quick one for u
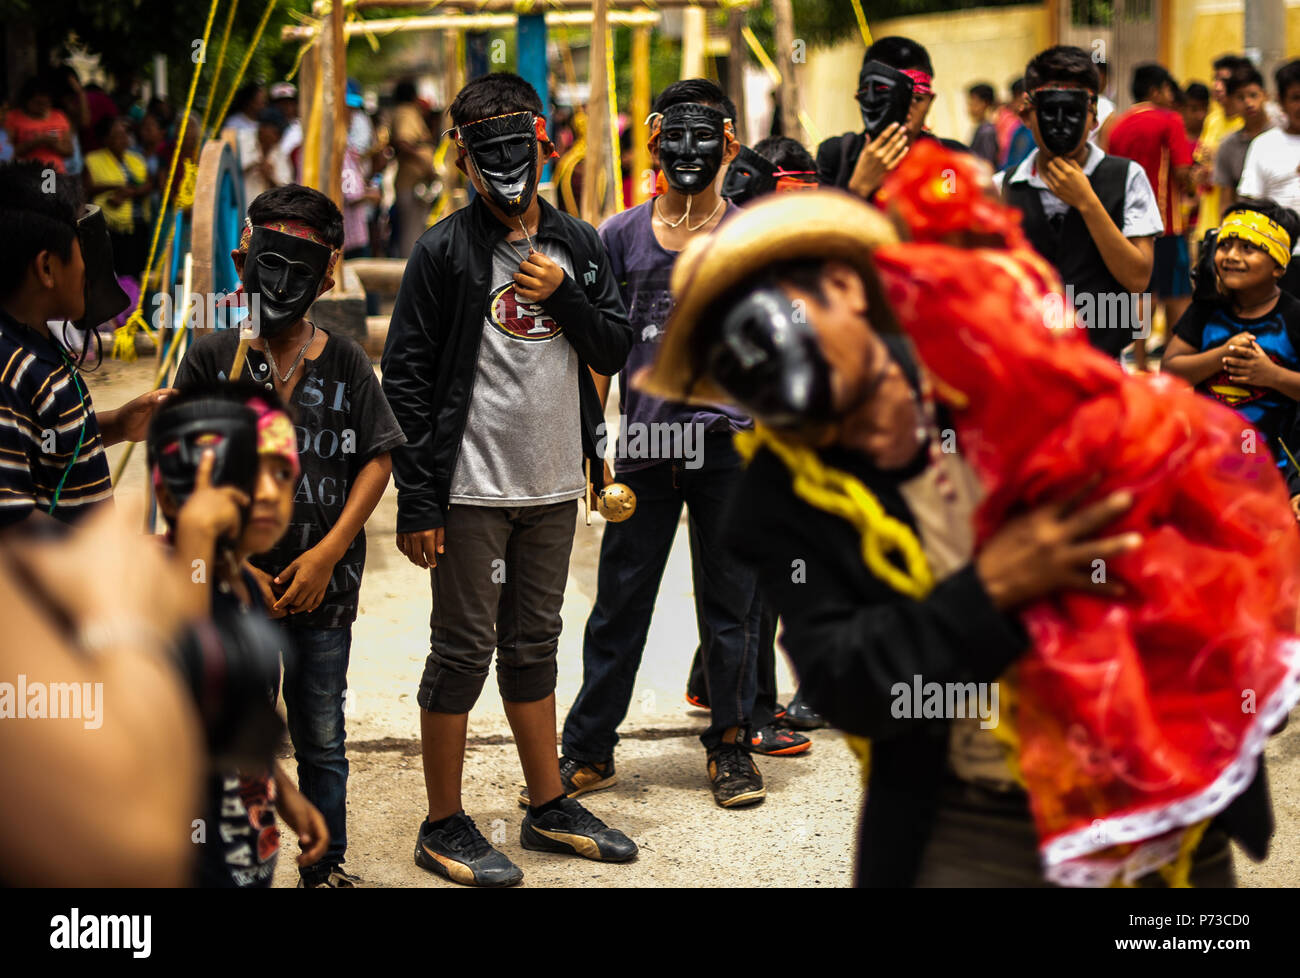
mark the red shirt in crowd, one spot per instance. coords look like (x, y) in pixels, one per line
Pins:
(1156, 139)
(23, 127)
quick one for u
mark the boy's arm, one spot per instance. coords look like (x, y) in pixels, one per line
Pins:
(1129, 260)
(409, 364)
(307, 577)
(602, 382)
(593, 316)
(1184, 360)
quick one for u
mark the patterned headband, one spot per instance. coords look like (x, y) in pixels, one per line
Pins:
(1261, 231)
(275, 434)
(298, 229)
(539, 127)
(921, 81)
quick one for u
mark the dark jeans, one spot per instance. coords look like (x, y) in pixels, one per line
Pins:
(632, 559)
(765, 700)
(315, 681)
(500, 585)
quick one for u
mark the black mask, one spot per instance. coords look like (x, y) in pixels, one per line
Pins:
(104, 296)
(286, 273)
(767, 358)
(884, 96)
(1062, 118)
(692, 141)
(748, 177)
(504, 151)
(179, 435)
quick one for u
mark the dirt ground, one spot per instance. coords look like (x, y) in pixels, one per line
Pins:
(802, 835)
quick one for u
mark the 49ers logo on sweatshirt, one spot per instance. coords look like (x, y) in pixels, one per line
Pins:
(519, 319)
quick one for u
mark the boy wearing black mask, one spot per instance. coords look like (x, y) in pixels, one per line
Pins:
(692, 139)
(503, 307)
(1091, 215)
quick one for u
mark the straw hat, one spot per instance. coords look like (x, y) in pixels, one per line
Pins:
(812, 224)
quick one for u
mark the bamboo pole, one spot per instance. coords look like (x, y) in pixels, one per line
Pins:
(311, 123)
(694, 35)
(327, 88)
(736, 61)
(511, 6)
(473, 22)
(339, 144)
(642, 172)
(783, 15)
(593, 168)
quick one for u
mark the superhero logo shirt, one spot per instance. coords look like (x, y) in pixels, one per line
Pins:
(523, 436)
(1209, 325)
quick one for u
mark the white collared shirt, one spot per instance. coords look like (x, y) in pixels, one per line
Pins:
(1141, 212)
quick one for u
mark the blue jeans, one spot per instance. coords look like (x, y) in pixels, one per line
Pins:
(315, 681)
(632, 559)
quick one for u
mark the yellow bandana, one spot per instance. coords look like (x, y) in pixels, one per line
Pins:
(1260, 231)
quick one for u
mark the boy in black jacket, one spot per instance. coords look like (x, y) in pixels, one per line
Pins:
(504, 307)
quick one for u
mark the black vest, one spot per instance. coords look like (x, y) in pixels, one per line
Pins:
(1099, 299)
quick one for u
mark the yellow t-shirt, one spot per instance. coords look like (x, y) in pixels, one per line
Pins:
(107, 170)
(1217, 126)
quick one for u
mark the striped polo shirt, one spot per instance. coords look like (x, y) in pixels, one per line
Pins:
(50, 443)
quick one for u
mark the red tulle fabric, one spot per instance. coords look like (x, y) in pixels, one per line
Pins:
(1141, 715)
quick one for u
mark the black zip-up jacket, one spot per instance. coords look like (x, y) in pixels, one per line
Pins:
(431, 354)
(851, 637)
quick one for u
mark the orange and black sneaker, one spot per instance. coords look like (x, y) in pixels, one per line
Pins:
(579, 777)
(735, 778)
(457, 850)
(697, 700)
(776, 741)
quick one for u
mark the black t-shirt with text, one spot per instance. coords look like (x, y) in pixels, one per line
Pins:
(342, 421)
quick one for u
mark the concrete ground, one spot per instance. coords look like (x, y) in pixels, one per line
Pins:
(802, 835)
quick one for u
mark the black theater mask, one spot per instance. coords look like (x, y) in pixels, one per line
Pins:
(884, 96)
(503, 150)
(286, 273)
(104, 296)
(180, 434)
(767, 357)
(748, 177)
(692, 142)
(1062, 115)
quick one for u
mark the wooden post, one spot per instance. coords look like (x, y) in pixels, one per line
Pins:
(642, 171)
(327, 116)
(312, 85)
(594, 178)
(694, 35)
(788, 93)
(737, 58)
(339, 142)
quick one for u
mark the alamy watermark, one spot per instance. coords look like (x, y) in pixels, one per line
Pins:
(678, 441)
(35, 700)
(919, 700)
(1128, 311)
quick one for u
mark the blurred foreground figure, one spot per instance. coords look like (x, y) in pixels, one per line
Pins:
(1059, 599)
(101, 756)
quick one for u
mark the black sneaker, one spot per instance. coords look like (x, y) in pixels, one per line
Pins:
(579, 777)
(775, 741)
(735, 777)
(459, 852)
(800, 716)
(330, 878)
(575, 831)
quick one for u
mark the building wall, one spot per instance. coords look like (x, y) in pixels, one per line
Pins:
(967, 46)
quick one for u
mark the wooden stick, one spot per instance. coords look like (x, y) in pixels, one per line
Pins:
(472, 22)
(594, 180)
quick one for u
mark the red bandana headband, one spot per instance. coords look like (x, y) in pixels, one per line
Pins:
(921, 82)
(296, 228)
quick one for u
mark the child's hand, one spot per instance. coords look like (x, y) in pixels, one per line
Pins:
(1295, 507)
(878, 157)
(211, 511)
(538, 277)
(264, 584)
(1066, 179)
(1246, 363)
(423, 546)
(305, 819)
(305, 581)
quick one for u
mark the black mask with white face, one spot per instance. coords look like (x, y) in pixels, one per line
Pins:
(286, 273)
(748, 177)
(105, 298)
(503, 150)
(692, 142)
(884, 96)
(767, 357)
(1062, 118)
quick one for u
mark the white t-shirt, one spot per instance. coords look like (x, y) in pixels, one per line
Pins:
(1104, 108)
(1270, 169)
(1141, 211)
